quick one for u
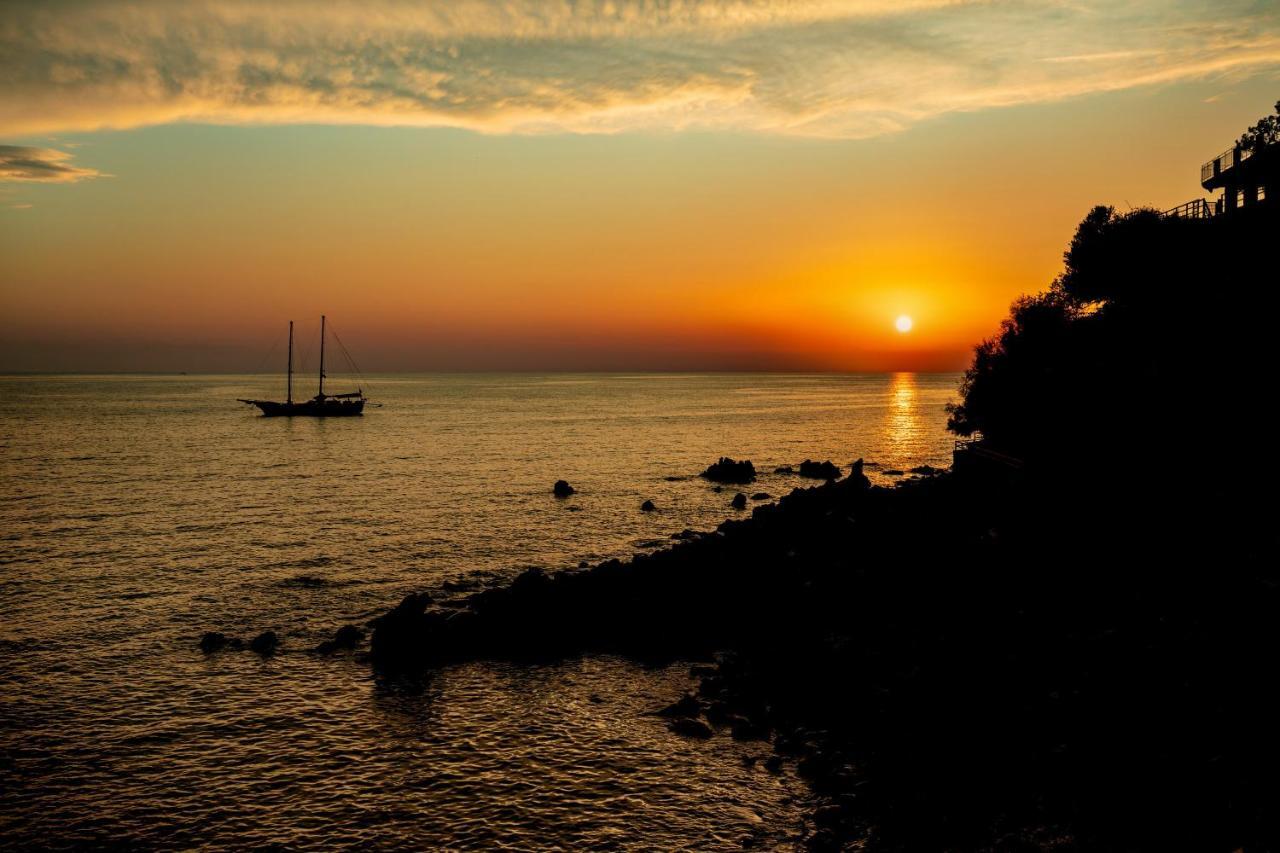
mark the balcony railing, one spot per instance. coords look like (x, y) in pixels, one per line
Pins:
(1223, 162)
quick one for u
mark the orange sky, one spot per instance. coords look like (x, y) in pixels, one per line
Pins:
(771, 194)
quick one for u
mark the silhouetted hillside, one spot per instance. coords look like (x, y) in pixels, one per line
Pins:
(1156, 343)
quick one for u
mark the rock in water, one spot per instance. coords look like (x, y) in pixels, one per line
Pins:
(728, 470)
(265, 643)
(761, 496)
(739, 501)
(216, 641)
(562, 489)
(346, 637)
(819, 470)
(647, 506)
(689, 727)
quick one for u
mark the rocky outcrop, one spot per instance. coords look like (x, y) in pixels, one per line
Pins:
(732, 471)
(562, 489)
(819, 470)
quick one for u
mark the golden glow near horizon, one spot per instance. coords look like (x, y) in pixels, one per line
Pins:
(903, 324)
(475, 192)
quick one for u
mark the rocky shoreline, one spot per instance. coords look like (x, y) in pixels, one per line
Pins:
(948, 662)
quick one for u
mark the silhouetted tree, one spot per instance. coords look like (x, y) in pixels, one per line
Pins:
(1265, 132)
(1155, 324)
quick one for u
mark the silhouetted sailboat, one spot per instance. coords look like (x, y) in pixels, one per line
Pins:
(322, 405)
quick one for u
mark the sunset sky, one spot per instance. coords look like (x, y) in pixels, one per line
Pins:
(613, 185)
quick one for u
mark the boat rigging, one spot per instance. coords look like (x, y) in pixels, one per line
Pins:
(322, 405)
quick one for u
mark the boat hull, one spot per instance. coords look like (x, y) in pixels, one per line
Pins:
(310, 408)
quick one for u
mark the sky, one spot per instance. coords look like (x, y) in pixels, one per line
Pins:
(682, 185)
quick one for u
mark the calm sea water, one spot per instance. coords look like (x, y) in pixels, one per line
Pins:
(139, 512)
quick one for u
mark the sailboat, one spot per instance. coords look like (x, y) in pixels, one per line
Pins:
(322, 405)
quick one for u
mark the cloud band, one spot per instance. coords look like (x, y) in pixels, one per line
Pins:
(841, 68)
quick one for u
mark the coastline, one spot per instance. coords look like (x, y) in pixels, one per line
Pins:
(937, 675)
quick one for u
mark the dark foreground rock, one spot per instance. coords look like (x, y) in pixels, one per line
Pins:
(739, 501)
(732, 471)
(562, 489)
(647, 506)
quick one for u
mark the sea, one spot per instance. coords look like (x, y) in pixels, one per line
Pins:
(139, 512)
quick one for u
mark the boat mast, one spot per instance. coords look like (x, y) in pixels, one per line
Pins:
(321, 394)
(288, 394)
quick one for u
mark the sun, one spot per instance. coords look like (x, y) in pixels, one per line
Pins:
(903, 323)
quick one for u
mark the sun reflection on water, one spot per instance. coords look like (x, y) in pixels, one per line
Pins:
(902, 425)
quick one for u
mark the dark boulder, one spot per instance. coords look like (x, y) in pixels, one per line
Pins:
(401, 636)
(728, 470)
(773, 764)
(688, 706)
(892, 472)
(265, 643)
(761, 496)
(826, 470)
(647, 506)
(562, 489)
(719, 713)
(739, 501)
(346, 637)
(689, 727)
(784, 469)
(926, 470)
(742, 728)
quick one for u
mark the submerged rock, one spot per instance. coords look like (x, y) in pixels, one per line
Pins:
(216, 641)
(562, 489)
(727, 470)
(926, 470)
(647, 506)
(739, 501)
(892, 472)
(819, 470)
(784, 469)
(761, 496)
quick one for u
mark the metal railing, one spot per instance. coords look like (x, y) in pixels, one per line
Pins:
(1195, 209)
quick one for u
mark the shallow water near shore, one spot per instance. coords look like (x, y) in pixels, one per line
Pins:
(139, 512)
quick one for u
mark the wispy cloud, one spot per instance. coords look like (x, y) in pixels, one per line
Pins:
(844, 68)
(40, 165)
